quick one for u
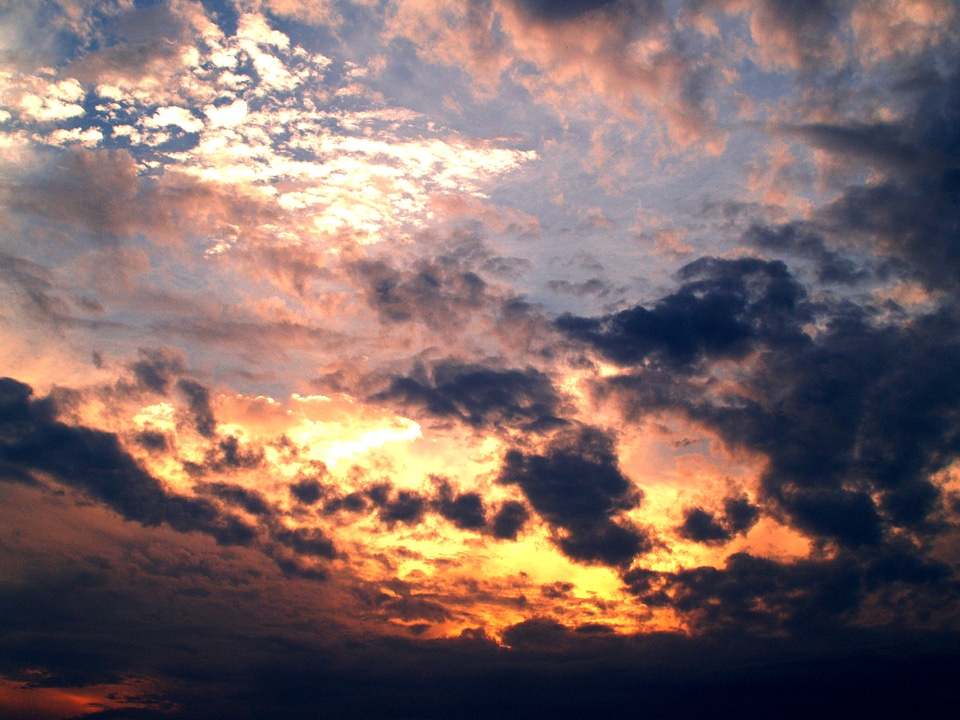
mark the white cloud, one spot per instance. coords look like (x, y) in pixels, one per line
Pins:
(177, 116)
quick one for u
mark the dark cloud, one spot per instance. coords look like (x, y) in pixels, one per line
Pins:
(509, 520)
(306, 541)
(435, 292)
(578, 488)
(33, 440)
(352, 502)
(205, 628)
(404, 506)
(250, 500)
(154, 441)
(95, 462)
(198, 397)
(740, 514)
(413, 607)
(854, 419)
(722, 310)
(702, 526)
(227, 455)
(157, 367)
(556, 590)
(760, 595)
(911, 209)
(831, 266)
(232, 455)
(307, 491)
(465, 510)
(479, 396)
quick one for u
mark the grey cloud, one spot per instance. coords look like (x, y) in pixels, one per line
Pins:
(578, 488)
(157, 367)
(722, 310)
(32, 440)
(35, 286)
(478, 395)
(860, 411)
(433, 292)
(509, 520)
(198, 397)
(94, 190)
(593, 286)
(832, 266)
(568, 10)
(94, 461)
(912, 210)
(404, 506)
(465, 510)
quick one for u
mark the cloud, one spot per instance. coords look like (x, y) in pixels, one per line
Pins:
(157, 367)
(95, 462)
(464, 510)
(702, 527)
(909, 208)
(404, 506)
(629, 54)
(249, 500)
(35, 443)
(92, 190)
(854, 420)
(509, 520)
(432, 292)
(832, 266)
(478, 395)
(578, 488)
(306, 541)
(721, 311)
(564, 10)
(307, 491)
(36, 286)
(198, 397)
(762, 596)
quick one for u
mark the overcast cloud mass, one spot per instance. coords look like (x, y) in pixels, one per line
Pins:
(479, 358)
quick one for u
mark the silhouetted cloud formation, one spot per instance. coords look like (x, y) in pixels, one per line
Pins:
(501, 358)
(578, 488)
(464, 510)
(723, 308)
(854, 419)
(479, 395)
(94, 462)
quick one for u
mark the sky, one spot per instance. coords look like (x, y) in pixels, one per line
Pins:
(398, 359)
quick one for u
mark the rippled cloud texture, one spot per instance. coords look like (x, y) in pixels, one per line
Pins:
(480, 358)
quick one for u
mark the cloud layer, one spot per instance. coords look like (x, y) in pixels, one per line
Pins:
(434, 359)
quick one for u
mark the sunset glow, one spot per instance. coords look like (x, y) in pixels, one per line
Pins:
(479, 359)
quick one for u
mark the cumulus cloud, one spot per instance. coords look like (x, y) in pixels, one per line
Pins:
(848, 418)
(578, 488)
